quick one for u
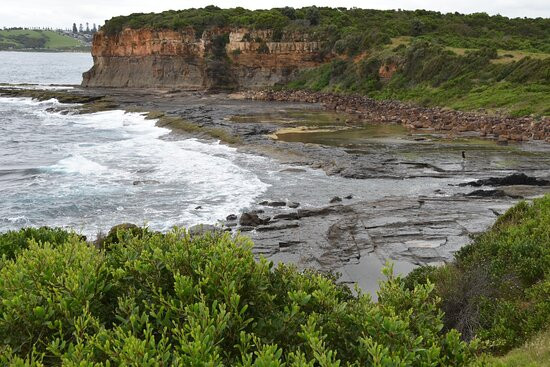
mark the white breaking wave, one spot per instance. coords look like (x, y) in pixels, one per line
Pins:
(112, 167)
(78, 164)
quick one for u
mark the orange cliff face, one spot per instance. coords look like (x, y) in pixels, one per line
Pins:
(146, 58)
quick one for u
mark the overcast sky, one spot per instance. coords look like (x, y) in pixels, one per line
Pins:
(62, 13)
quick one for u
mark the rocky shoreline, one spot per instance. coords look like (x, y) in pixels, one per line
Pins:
(503, 128)
(406, 201)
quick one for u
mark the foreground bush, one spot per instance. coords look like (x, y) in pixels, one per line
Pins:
(498, 288)
(158, 300)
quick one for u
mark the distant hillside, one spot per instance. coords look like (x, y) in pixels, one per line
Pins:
(25, 39)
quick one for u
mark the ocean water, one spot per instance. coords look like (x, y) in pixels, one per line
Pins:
(90, 172)
(43, 68)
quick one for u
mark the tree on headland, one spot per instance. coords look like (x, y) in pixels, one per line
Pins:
(94, 29)
(289, 12)
(313, 15)
(81, 28)
(87, 27)
(75, 30)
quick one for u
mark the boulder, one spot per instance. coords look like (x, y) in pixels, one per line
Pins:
(252, 220)
(513, 179)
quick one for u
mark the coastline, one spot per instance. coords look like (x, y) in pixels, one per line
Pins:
(503, 128)
(403, 207)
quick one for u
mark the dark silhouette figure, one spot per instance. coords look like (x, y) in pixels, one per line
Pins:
(463, 155)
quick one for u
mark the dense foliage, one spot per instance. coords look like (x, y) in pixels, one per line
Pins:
(152, 299)
(358, 29)
(148, 299)
(499, 286)
(433, 75)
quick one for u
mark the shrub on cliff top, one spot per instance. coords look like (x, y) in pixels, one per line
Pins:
(376, 26)
(498, 288)
(168, 299)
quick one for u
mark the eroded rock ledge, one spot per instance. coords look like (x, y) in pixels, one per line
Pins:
(414, 117)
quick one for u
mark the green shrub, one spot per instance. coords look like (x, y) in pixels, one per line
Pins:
(13, 242)
(168, 299)
(498, 288)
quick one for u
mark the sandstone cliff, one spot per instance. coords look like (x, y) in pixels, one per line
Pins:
(219, 58)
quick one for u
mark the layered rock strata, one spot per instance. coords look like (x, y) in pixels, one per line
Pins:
(219, 58)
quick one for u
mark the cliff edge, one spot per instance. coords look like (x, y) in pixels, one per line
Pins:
(221, 58)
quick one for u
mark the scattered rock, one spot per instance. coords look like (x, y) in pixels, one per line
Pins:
(287, 216)
(487, 194)
(349, 197)
(503, 128)
(198, 207)
(231, 217)
(513, 179)
(252, 220)
(273, 203)
(492, 194)
(293, 205)
(335, 199)
(112, 236)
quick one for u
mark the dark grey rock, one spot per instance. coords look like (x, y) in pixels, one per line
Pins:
(335, 199)
(513, 179)
(273, 203)
(277, 227)
(285, 244)
(287, 216)
(252, 219)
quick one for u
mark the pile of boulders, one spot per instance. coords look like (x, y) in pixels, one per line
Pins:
(503, 128)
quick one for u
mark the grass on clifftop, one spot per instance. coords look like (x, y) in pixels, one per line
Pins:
(534, 353)
(431, 75)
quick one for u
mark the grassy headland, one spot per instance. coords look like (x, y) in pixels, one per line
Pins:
(466, 62)
(433, 75)
(27, 39)
(136, 297)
